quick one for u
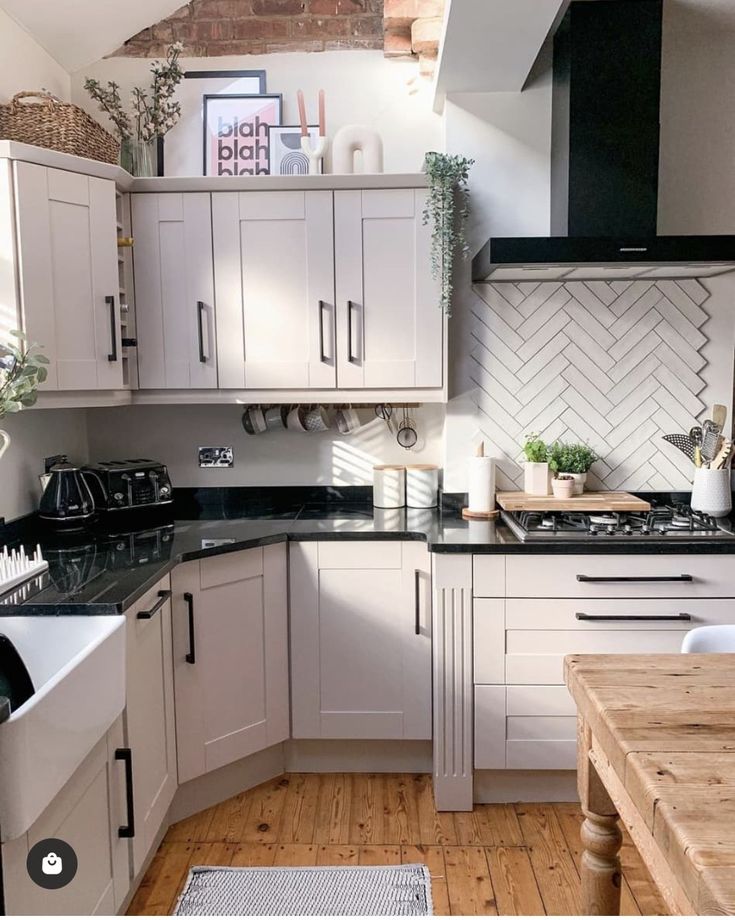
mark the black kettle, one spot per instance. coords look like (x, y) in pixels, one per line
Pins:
(67, 502)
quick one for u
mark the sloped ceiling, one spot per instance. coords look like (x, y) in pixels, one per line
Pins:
(78, 32)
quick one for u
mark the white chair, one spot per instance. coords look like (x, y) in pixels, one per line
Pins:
(710, 639)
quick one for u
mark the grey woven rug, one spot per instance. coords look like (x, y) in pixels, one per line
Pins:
(320, 891)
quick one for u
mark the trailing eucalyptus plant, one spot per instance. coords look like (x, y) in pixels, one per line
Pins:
(447, 208)
(22, 370)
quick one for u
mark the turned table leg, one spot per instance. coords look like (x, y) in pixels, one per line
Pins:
(601, 837)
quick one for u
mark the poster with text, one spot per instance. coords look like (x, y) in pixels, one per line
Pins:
(236, 138)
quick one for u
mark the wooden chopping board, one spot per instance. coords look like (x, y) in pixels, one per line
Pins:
(587, 501)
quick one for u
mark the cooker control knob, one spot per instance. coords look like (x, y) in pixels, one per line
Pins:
(118, 496)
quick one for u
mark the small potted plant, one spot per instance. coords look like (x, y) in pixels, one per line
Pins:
(22, 370)
(536, 467)
(573, 460)
(563, 486)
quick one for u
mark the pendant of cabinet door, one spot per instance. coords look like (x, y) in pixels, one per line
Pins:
(230, 641)
(174, 291)
(360, 640)
(149, 716)
(65, 225)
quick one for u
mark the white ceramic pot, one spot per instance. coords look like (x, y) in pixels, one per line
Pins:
(711, 492)
(536, 479)
(580, 481)
(422, 485)
(563, 488)
(389, 486)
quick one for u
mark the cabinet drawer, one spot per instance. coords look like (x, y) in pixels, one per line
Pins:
(537, 656)
(540, 701)
(489, 728)
(230, 567)
(541, 754)
(360, 554)
(613, 614)
(488, 576)
(618, 576)
(488, 640)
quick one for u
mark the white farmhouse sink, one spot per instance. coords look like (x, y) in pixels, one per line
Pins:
(77, 665)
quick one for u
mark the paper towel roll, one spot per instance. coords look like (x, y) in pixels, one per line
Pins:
(481, 484)
(422, 484)
(389, 486)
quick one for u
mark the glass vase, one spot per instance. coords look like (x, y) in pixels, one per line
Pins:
(139, 158)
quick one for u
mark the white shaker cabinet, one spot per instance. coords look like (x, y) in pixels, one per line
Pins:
(68, 276)
(149, 719)
(90, 815)
(390, 324)
(230, 641)
(174, 290)
(360, 640)
(274, 280)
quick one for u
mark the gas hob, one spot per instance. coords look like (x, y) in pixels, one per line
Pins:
(663, 522)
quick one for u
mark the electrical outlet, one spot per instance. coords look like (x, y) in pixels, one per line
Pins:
(216, 457)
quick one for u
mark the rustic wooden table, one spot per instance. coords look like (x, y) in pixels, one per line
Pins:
(656, 748)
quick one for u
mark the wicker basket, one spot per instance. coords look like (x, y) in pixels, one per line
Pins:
(57, 125)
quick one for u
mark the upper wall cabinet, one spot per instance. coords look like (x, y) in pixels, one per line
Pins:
(387, 302)
(68, 277)
(174, 291)
(274, 277)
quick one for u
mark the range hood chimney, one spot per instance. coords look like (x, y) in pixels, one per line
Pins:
(605, 160)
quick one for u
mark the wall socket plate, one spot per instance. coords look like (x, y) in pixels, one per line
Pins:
(216, 458)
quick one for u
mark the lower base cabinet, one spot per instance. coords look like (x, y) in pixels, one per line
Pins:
(88, 814)
(360, 640)
(230, 642)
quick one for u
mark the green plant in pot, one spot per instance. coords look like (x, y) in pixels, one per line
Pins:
(573, 460)
(22, 370)
(536, 467)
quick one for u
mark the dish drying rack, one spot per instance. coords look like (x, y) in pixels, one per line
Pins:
(17, 567)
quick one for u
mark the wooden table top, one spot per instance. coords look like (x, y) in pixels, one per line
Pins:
(666, 724)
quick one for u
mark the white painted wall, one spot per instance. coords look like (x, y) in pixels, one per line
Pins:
(35, 434)
(173, 434)
(509, 137)
(24, 64)
(361, 87)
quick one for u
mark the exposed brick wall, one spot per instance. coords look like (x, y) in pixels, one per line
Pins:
(217, 27)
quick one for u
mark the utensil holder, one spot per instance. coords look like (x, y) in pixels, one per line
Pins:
(712, 492)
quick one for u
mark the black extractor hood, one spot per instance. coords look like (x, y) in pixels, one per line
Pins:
(605, 160)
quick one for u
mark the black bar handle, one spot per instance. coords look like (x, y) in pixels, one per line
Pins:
(126, 755)
(191, 654)
(110, 301)
(633, 617)
(417, 600)
(627, 578)
(163, 596)
(200, 330)
(351, 358)
(322, 356)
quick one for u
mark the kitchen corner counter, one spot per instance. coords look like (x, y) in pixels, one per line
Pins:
(104, 574)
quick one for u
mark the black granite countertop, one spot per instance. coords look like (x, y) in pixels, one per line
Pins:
(105, 573)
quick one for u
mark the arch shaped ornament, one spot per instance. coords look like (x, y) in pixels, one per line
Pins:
(352, 139)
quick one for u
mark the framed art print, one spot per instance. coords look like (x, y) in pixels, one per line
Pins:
(236, 133)
(211, 82)
(286, 156)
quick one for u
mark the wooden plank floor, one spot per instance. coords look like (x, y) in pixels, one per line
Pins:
(499, 859)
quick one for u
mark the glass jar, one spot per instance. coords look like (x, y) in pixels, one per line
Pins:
(139, 158)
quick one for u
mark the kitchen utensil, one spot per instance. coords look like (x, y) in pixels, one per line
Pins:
(316, 419)
(389, 486)
(253, 420)
(719, 415)
(275, 418)
(295, 419)
(422, 484)
(696, 435)
(710, 440)
(723, 455)
(347, 420)
(711, 492)
(407, 436)
(67, 502)
(682, 442)
(385, 411)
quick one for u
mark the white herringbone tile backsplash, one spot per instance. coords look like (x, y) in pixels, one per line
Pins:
(616, 364)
